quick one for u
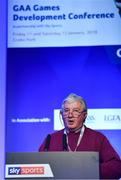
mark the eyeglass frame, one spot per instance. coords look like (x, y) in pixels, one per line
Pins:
(74, 111)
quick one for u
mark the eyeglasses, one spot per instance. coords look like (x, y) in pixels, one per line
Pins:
(75, 112)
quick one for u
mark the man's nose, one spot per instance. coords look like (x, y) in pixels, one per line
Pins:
(70, 114)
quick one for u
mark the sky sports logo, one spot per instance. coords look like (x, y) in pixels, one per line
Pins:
(28, 170)
(25, 170)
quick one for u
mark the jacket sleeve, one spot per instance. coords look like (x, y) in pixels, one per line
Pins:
(110, 167)
(42, 146)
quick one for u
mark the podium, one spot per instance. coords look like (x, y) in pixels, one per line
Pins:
(52, 165)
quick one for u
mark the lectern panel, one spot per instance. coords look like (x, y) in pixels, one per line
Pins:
(64, 165)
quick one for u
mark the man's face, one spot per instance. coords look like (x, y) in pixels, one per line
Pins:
(73, 115)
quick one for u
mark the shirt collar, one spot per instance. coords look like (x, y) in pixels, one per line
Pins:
(76, 131)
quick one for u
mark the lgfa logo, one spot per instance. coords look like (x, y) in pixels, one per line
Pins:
(26, 170)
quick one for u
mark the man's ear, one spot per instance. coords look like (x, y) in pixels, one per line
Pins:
(60, 112)
(85, 114)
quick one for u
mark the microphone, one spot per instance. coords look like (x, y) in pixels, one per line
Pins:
(65, 147)
(47, 143)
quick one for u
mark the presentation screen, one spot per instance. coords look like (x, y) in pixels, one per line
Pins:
(56, 48)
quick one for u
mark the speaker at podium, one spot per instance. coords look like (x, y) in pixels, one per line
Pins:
(52, 165)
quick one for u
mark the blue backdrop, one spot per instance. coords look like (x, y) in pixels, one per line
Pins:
(39, 78)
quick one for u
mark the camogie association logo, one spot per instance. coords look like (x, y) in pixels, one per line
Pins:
(118, 5)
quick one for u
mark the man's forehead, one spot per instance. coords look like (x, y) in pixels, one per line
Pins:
(72, 104)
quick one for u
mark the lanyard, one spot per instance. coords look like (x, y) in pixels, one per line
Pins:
(79, 139)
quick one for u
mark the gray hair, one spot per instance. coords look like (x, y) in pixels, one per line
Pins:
(74, 97)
